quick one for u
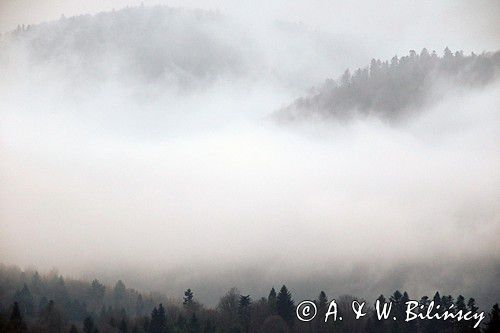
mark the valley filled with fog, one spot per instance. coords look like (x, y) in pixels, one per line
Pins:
(176, 148)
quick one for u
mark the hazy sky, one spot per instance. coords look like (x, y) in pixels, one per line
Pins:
(141, 176)
(385, 26)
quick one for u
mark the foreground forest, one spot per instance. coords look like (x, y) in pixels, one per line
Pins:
(31, 302)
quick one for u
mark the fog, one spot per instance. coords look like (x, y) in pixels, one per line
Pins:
(171, 172)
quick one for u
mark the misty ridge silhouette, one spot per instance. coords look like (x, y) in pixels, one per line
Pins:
(175, 47)
(392, 89)
(167, 47)
(148, 44)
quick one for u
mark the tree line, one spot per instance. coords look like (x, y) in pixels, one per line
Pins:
(30, 302)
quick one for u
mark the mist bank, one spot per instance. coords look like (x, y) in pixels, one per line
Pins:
(251, 196)
(360, 279)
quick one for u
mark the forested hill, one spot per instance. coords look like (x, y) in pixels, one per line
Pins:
(139, 43)
(392, 89)
(172, 47)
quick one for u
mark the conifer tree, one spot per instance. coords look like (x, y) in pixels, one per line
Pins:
(285, 306)
(494, 323)
(36, 283)
(374, 324)
(271, 301)
(322, 304)
(119, 292)
(188, 300)
(158, 320)
(244, 312)
(471, 305)
(16, 322)
(139, 305)
(24, 299)
(96, 294)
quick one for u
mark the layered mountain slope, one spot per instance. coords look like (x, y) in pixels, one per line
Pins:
(173, 47)
(396, 88)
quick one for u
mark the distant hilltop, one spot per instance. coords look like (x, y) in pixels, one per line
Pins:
(391, 89)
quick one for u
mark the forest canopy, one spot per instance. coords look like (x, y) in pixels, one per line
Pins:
(394, 89)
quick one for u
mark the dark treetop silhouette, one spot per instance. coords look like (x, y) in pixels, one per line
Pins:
(30, 302)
